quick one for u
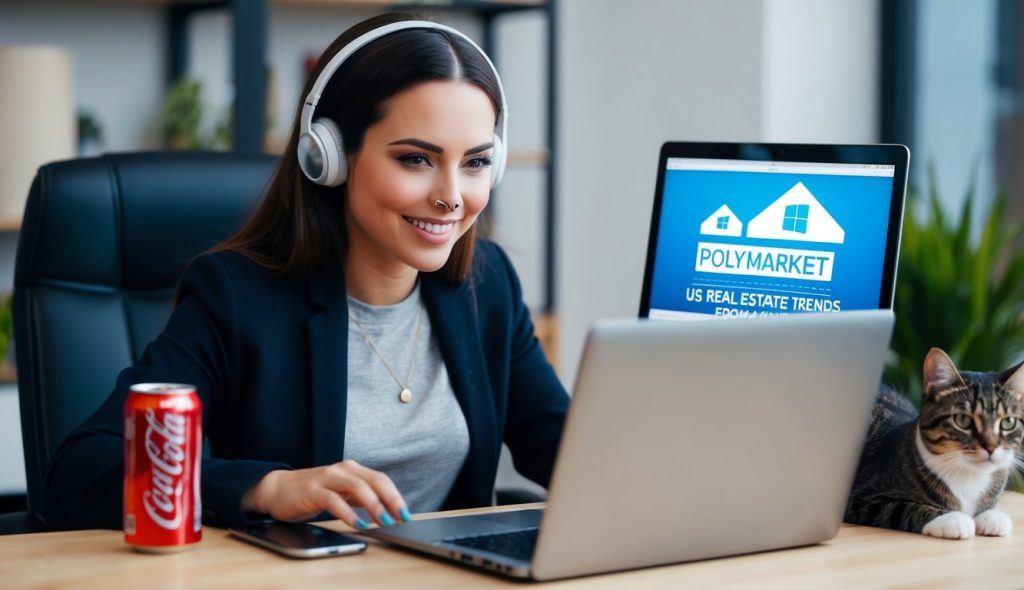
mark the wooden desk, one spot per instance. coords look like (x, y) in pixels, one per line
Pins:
(859, 557)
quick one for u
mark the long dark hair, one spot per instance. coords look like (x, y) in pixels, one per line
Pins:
(299, 227)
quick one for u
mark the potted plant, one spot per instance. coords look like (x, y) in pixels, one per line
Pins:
(183, 113)
(962, 293)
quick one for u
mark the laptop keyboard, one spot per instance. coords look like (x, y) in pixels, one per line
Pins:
(516, 544)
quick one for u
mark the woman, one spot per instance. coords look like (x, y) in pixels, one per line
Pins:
(354, 345)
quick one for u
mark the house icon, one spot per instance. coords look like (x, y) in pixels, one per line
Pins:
(797, 216)
(722, 222)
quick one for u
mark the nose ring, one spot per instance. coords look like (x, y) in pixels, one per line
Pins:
(444, 205)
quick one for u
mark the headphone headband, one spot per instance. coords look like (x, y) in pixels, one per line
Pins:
(306, 122)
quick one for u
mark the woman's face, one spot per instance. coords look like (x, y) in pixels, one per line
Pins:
(433, 143)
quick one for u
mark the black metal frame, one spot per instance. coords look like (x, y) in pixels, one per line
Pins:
(249, 18)
(898, 55)
(1008, 125)
(551, 209)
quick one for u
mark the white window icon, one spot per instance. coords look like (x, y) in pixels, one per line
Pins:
(795, 218)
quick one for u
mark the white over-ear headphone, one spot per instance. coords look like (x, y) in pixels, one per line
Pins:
(321, 149)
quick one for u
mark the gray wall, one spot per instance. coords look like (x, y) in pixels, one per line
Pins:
(821, 79)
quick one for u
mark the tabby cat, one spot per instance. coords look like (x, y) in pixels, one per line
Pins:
(941, 472)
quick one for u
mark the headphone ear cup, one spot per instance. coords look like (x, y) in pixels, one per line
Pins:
(498, 160)
(335, 164)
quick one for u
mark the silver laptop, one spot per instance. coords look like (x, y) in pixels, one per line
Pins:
(689, 440)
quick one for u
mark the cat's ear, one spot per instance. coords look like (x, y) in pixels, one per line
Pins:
(940, 374)
(1013, 379)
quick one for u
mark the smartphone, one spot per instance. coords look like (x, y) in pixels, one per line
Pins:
(299, 539)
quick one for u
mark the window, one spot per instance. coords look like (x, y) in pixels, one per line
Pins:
(959, 105)
(796, 218)
(723, 222)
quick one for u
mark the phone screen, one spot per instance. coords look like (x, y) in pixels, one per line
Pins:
(300, 539)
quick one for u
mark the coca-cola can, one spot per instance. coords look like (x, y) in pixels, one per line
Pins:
(163, 440)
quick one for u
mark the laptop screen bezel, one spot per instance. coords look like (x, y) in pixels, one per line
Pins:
(886, 154)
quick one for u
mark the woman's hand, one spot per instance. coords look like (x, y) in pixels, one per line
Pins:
(299, 495)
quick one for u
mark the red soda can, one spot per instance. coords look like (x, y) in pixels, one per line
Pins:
(163, 441)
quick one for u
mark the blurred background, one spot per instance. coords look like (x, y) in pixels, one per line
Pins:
(595, 87)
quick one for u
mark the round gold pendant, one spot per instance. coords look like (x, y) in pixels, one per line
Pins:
(406, 396)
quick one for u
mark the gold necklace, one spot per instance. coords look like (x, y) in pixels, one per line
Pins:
(406, 395)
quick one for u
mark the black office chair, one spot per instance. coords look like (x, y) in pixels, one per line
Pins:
(102, 246)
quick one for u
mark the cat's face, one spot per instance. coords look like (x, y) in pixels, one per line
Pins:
(974, 419)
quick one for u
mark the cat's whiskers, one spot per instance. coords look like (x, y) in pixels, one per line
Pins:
(1017, 463)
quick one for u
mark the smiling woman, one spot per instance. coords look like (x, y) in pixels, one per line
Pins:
(354, 345)
(417, 185)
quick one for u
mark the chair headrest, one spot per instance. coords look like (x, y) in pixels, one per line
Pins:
(133, 221)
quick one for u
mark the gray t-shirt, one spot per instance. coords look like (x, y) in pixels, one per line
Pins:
(420, 445)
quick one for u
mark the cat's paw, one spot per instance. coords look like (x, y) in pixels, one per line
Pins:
(951, 525)
(993, 523)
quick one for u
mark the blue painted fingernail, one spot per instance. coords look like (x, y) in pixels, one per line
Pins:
(404, 513)
(386, 519)
(361, 525)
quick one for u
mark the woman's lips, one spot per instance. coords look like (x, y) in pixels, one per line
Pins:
(435, 231)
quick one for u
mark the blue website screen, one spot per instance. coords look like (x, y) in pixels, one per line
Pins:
(756, 238)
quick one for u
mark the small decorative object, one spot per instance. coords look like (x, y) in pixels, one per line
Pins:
(90, 134)
(37, 118)
(309, 64)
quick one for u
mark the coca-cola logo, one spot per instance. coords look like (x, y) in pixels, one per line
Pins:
(165, 448)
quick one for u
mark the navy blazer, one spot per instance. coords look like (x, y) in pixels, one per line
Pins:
(268, 358)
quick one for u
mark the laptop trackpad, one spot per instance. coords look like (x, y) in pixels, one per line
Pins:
(436, 529)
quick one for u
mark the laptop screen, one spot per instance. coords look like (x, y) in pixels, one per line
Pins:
(753, 237)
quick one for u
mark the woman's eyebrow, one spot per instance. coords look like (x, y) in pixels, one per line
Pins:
(479, 148)
(438, 149)
(420, 144)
